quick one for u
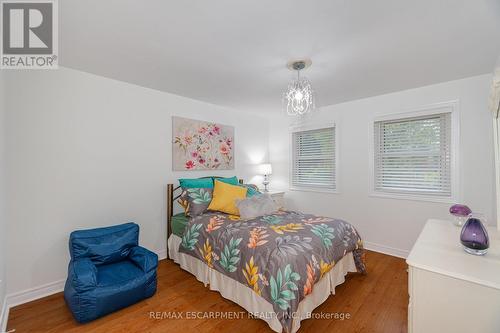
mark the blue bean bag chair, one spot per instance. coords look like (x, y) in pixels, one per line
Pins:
(108, 271)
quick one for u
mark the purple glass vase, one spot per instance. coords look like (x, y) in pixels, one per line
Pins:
(460, 213)
(474, 236)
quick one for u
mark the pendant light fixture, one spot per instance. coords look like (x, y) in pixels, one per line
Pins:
(299, 97)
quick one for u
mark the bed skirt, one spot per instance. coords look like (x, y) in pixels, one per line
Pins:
(248, 299)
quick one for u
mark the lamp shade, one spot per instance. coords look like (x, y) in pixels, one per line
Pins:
(265, 169)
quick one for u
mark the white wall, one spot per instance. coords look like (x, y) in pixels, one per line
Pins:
(388, 224)
(85, 151)
(3, 223)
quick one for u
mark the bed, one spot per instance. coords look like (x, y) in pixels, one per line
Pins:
(278, 267)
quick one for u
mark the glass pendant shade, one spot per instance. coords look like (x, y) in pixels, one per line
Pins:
(298, 99)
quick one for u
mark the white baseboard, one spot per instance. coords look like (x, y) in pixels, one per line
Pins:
(4, 315)
(386, 250)
(32, 294)
(162, 254)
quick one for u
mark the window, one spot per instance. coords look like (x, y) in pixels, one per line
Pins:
(413, 155)
(314, 159)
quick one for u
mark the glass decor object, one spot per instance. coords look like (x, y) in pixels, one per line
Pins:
(474, 236)
(460, 214)
(299, 97)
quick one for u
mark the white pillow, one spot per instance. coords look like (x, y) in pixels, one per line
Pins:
(255, 206)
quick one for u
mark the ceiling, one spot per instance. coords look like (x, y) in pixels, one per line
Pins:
(234, 53)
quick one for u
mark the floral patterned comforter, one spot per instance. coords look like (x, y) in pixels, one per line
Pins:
(279, 256)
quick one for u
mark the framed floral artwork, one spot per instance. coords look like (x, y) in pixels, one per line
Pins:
(201, 145)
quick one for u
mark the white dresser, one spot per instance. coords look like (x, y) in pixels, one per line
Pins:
(450, 290)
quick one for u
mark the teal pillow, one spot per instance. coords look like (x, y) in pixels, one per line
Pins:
(251, 190)
(230, 180)
(196, 183)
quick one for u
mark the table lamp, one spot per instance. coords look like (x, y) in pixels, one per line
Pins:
(265, 169)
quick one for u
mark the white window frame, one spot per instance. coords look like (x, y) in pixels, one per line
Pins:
(310, 127)
(451, 107)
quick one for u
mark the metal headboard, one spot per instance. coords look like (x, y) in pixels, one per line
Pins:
(172, 197)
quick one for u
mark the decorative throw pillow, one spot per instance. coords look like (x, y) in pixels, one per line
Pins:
(183, 200)
(255, 206)
(252, 189)
(230, 180)
(197, 200)
(186, 183)
(196, 182)
(225, 196)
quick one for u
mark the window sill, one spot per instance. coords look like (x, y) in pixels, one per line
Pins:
(312, 189)
(413, 197)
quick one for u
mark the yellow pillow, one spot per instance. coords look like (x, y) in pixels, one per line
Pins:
(224, 197)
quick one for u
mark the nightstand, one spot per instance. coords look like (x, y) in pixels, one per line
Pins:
(278, 197)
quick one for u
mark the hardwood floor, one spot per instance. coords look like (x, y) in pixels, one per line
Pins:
(376, 302)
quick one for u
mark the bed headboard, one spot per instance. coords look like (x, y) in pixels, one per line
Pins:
(171, 199)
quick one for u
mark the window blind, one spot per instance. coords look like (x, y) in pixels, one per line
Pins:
(413, 155)
(314, 159)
